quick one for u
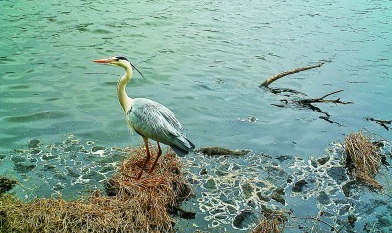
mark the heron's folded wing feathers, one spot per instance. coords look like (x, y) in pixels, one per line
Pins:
(157, 122)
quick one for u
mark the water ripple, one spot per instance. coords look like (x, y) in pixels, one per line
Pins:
(40, 116)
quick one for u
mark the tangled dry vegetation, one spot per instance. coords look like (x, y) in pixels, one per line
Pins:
(363, 159)
(271, 222)
(133, 205)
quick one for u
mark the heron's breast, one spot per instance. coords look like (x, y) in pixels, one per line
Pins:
(128, 118)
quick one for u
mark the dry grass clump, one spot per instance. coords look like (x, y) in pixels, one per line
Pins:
(137, 206)
(363, 159)
(157, 193)
(271, 222)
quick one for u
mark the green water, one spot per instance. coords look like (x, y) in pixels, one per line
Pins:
(202, 59)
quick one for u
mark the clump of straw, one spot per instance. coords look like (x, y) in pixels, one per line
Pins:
(271, 222)
(137, 206)
(363, 159)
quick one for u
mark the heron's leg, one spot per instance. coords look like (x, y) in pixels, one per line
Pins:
(156, 159)
(147, 158)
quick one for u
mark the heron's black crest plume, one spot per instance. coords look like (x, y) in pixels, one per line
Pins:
(124, 58)
(136, 70)
(121, 58)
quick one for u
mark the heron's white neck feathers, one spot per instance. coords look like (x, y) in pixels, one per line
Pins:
(123, 97)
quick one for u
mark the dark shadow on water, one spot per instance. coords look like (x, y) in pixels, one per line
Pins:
(37, 116)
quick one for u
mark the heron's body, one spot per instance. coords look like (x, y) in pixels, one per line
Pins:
(148, 118)
(154, 121)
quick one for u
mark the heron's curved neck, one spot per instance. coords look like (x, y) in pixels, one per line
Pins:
(123, 97)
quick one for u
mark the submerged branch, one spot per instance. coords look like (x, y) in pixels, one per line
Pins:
(310, 104)
(323, 100)
(288, 72)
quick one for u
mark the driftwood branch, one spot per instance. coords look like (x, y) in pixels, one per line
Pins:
(288, 72)
(323, 100)
(303, 103)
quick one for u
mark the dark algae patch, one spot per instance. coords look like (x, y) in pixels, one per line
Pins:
(215, 151)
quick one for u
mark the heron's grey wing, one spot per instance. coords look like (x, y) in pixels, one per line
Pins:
(157, 122)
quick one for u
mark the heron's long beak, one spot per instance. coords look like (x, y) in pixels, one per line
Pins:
(104, 61)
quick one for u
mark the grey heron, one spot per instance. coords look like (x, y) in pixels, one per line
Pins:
(148, 118)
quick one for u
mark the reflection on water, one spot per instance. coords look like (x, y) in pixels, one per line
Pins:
(202, 59)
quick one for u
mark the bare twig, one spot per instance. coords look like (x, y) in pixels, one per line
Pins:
(323, 100)
(288, 72)
(310, 104)
(318, 219)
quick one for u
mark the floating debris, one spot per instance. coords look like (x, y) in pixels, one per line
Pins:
(251, 119)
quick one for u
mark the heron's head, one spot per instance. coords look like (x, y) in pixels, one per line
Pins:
(116, 61)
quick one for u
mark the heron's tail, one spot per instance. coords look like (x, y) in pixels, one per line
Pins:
(183, 148)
